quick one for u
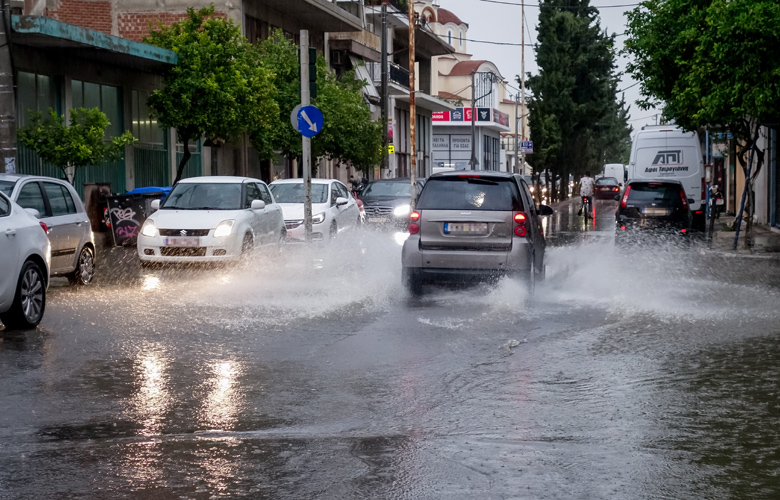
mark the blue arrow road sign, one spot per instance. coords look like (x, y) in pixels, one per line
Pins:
(310, 121)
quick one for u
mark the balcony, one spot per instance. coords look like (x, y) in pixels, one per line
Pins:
(396, 74)
(360, 43)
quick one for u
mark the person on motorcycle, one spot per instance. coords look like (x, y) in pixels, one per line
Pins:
(586, 190)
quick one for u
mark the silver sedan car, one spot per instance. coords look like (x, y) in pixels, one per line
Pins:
(60, 208)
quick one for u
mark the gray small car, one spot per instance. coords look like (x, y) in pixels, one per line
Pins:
(69, 229)
(472, 226)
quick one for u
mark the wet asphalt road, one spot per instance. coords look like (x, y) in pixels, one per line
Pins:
(631, 375)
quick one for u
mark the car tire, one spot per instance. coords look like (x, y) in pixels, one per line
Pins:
(532, 276)
(29, 302)
(247, 245)
(412, 282)
(85, 268)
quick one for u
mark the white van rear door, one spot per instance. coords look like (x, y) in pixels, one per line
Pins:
(680, 163)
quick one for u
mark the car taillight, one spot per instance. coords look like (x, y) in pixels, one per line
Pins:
(624, 201)
(684, 199)
(683, 230)
(616, 190)
(44, 227)
(520, 219)
(703, 189)
(414, 228)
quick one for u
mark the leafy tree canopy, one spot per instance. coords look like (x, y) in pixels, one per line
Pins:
(218, 90)
(348, 134)
(80, 144)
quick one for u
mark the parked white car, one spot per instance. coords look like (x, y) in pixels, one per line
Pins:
(212, 219)
(61, 209)
(25, 259)
(333, 209)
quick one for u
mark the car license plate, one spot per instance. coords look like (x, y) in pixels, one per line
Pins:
(476, 228)
(377, 219)
(182, 242)
(656, 212)
(719, 202)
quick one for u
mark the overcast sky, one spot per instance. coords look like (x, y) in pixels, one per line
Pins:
(501, 23)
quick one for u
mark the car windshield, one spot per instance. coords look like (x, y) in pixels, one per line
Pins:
(655, 192)
(6, 187)
(397, 189)
(606, 181)
(204, 196)
(469, 193)
(289, 192)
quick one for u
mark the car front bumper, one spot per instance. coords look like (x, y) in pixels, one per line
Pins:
(197, 249)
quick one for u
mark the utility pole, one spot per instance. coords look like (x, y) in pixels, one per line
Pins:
(412, 106)
(7, 95)
(305, 101)
(473, 162)
(518, 168)
(385, 100)
(522, 82)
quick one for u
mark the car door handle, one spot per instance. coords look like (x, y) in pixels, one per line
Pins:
(10, 233)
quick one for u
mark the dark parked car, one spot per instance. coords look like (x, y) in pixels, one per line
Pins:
(606, 188)
(471, 226)
(652, 210)
(387, 202)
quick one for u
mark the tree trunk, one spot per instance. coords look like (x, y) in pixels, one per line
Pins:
(184, 159)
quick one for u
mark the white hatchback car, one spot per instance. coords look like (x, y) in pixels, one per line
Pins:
(333, 209)
(61, 209)
(211, 219)
(25, 257)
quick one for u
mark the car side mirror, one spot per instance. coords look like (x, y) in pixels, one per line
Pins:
(257, 204)
(545, 210)
(155, 204)
(691, 200)
(617, 197)
(341, 201)
(33, 212)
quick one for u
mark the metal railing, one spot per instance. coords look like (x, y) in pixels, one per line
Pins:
(396, 74)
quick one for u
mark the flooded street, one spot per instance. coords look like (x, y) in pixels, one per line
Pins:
(631, 374)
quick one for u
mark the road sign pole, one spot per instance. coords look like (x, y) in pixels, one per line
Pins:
(306, 140)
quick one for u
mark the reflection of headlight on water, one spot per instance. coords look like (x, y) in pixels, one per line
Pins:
(402, 211)
(400, 237)
(151, 283)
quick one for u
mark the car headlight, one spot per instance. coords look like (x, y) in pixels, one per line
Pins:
(148, 228)
(318, 219)
(224, 228)
(402, 211)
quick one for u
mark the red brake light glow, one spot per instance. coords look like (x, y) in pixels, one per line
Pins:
(44, 227)
(520, 231)
(468, 176)
(520, 218)
(414, 216)
(684, 199)
(684, 230)
(624, 201)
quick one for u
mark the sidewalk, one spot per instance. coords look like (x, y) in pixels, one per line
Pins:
(765, 240)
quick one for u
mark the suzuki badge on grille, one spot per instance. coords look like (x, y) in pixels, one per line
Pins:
(183, 232)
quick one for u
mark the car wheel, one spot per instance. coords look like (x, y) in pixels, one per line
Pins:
(247, 245)
(30, 299)
(85, 268)
(412, 282)
(532, 276)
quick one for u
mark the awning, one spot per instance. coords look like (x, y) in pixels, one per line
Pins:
(74, 41)
(318, 14)
(425, 101)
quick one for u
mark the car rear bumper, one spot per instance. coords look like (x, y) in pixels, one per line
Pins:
(466, 262)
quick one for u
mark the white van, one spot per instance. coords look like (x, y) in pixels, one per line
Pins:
(616, 170)
(668, 152)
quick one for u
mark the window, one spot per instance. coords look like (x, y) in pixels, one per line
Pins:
(460, 38)
(252, 193)
(104, 97)
(342, 189)
(470, 193)
(144, 127)
(31, 197)
(449, 37)
(36, 93)
(264, 194)
(5, 206)
(334, 193)
(60, 200)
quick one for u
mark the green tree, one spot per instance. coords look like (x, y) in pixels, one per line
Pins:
(80, 144)
(348, 134)
(576, 120)
(711, 64)
(218, 89)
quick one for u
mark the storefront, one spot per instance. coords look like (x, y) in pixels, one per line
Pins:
(452, 139)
